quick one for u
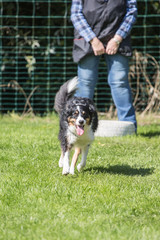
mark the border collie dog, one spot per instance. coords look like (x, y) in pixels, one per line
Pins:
(78, 122)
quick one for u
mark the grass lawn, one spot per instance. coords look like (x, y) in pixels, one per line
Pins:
(116, 197)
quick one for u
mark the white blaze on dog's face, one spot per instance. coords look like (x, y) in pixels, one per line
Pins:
(80, 122)
(80, 116)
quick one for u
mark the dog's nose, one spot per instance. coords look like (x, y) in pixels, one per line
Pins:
(81, 122)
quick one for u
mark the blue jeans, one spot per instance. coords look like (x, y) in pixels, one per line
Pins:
(118, 68)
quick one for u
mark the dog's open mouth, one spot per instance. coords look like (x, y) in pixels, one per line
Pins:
(80, 130)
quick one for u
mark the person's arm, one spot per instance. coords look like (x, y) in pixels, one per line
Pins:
(81, 25)
(128, 20)
(125, 27)
(79, 21)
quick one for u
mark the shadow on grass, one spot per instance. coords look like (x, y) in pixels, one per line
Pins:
(122, 170)
(150, 134)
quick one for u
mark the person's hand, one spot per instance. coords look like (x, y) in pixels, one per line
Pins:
(97, 46)
(113, 45)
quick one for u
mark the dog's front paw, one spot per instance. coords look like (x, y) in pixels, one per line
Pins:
(79, 167)
(65, 170)
(71, 171)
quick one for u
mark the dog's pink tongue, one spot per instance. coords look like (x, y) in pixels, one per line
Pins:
(80, 131)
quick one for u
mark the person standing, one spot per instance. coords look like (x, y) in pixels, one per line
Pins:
(102, 27)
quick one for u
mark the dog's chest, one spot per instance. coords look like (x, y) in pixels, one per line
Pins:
(80, 141)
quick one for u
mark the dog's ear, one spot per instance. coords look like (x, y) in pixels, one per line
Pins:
(94, 116)
(92, 108)
(69, 108)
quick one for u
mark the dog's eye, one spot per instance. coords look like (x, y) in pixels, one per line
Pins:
(76, 112)
(83, 113)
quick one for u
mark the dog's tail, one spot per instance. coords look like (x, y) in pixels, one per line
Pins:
(66, 91)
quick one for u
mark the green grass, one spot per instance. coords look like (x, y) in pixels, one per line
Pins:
(117, 196)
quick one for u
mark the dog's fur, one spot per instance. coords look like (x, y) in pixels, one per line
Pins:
(78, 122)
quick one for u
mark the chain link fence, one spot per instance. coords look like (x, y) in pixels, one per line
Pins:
(36, 57)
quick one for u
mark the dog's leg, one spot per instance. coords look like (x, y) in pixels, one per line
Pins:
(61, 160)
(82, 164)
(66, 163)
(74, 160)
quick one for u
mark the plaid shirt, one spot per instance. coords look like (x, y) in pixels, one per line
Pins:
(85, 30)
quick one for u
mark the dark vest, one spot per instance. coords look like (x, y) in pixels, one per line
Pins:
(104, 17)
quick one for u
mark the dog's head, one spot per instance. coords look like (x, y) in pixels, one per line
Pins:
(81, 112)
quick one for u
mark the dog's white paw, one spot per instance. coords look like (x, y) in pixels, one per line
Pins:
(79, 167)
(71, 171)
(66, 170)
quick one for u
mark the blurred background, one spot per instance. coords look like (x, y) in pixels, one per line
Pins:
(36, 57)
